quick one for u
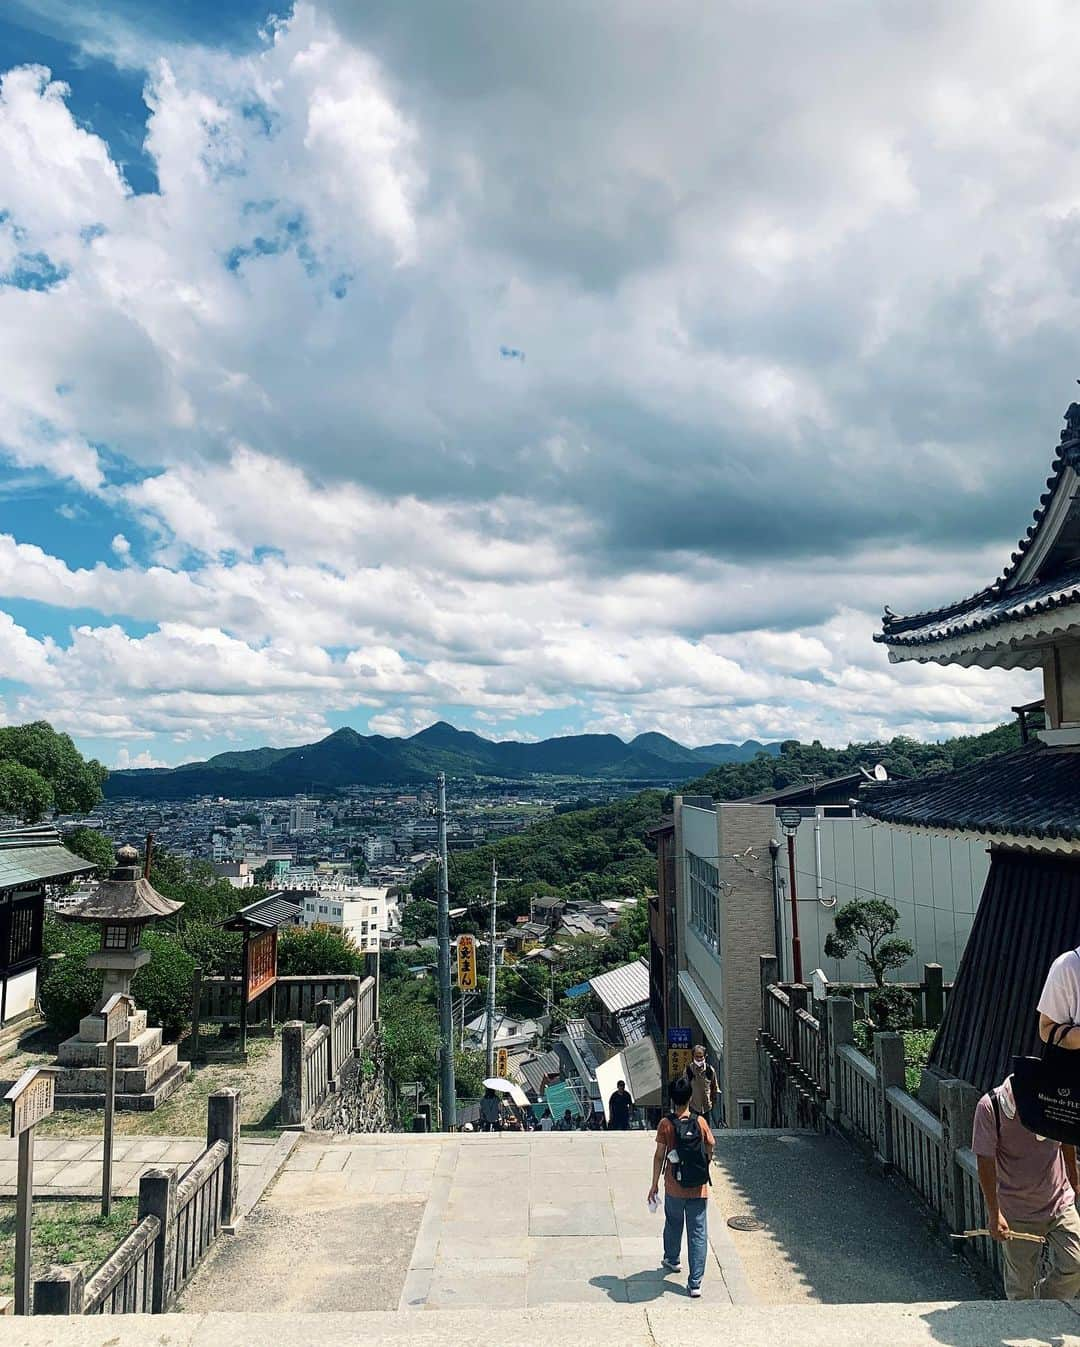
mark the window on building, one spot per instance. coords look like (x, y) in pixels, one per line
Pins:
(21, 939)
(704, 884)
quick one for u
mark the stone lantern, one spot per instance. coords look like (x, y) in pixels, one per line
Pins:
(147, 1071)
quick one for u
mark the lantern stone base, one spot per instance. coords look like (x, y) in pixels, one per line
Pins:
(147, 1070)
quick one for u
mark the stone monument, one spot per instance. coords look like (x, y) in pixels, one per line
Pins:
(147, 1071)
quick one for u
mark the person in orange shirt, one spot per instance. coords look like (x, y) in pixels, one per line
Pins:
(684, 1148)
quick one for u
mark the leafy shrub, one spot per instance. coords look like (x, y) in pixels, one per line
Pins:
(68, 989)
(891, 1007)
(218, 953)
(163, 986)
(316, 951)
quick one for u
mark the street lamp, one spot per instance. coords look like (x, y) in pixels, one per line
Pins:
(789, 820)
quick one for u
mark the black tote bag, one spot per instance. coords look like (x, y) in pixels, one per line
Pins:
(1047, 1090)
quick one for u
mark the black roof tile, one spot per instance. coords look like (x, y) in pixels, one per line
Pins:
(1032, 792)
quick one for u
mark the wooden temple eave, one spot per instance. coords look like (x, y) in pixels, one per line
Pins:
(1008, 645)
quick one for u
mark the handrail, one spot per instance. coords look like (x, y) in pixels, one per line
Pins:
(861, 1065)
(113, 1276)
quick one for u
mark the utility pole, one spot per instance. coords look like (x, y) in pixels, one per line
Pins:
(446, 1020)
(491, 972)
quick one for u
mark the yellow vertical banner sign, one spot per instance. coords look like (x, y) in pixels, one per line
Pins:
(466, 963)
(678, 1060)
(502, 1063)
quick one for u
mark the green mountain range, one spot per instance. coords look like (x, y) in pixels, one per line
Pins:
(346, 758)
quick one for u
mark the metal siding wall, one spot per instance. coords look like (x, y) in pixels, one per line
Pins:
(930, 881)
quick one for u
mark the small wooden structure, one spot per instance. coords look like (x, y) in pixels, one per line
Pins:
(30, 859)
(258, 923)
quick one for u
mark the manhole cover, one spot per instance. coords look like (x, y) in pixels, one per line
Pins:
(745, 1223)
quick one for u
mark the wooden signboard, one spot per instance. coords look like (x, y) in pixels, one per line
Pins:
(261, 964)
(31, 1098)
(466, 963)
(502, 1063)
(678, 1059)
(115, 1014)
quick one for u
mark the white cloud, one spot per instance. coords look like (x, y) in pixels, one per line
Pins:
(737, 433)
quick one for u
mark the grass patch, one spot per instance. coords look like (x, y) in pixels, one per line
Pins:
(69, 1231)
(917, 1047)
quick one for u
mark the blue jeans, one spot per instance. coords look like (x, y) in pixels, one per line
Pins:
(692, 1211)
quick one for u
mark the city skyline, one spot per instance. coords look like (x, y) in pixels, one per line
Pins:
(544, 371)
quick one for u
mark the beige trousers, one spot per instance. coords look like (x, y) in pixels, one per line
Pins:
(1025, 1278)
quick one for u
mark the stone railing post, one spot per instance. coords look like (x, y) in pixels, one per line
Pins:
(292, 1074)
(840, 1018)
(769, 974)
(958, 1100)
(157, 1197)
(324, 1016)
(933, 987)
(223, 1124)
(60, 1291)
(798, 995)
(889, 1064)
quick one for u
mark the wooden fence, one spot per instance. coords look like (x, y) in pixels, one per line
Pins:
(812, 1074)
(179, 1222)
(216, 1000)
(311, 1062)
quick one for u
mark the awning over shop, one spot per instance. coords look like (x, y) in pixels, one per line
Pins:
(702, 1011)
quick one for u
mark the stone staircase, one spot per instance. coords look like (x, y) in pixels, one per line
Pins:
(147, 1070)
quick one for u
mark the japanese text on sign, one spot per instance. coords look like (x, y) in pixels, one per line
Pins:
(31, 1098)
(261, 964)
(502, 1063)
(466, 963)
(678, 1059)
(679, 1038)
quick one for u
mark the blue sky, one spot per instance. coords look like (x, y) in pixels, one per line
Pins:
(539, 368)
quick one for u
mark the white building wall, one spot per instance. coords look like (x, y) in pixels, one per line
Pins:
(934, 883)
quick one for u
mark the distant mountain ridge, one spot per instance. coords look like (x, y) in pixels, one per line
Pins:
(346, 758)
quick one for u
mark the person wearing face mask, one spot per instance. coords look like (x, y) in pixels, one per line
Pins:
(704, 1085)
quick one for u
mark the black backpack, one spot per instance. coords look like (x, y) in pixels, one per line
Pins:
(692, 1167)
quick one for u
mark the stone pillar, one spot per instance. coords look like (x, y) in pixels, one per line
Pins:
(324, 1017)
(889, 1063)
(840, 1018)
(196, 1013)
(798, 995)
(60, 1291)
(934, 994)
(292, 1074)
(770, 973)
(157, 1197)
(223, 1124)
(958, 1100)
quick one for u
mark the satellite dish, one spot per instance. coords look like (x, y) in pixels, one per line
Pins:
(880, 774)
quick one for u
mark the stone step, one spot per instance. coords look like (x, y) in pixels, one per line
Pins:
(143, 1102)
(959, 1324)
(78, 1052)
(129, 1080)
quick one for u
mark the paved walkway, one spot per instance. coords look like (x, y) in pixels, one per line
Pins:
(470, 1223)
(71, 1167)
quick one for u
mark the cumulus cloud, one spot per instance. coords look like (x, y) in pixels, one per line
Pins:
(790, 297)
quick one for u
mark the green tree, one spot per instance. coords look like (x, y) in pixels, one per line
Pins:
(865, 928)
(23, 792)
(71, 782)
(315, 950)
(91, 846)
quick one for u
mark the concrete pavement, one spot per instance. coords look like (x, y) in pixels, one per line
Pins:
(71, 1166)
(660, 1324)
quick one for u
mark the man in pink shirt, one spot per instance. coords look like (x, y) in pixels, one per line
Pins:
(1030, 1186)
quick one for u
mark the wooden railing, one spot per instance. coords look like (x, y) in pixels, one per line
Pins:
(317, 1072)
(928, 997)
(124, 1282)
(857, 1092)
(198, 1212)
(777, 1019)
(290, 998)
(918, 1146)
(179, 1221)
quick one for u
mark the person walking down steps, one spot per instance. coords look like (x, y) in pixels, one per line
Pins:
(1029, 1183)
(703, 1082)
(684, 1148)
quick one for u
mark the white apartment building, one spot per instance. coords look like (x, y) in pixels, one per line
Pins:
(358, 909)
(303, 817)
